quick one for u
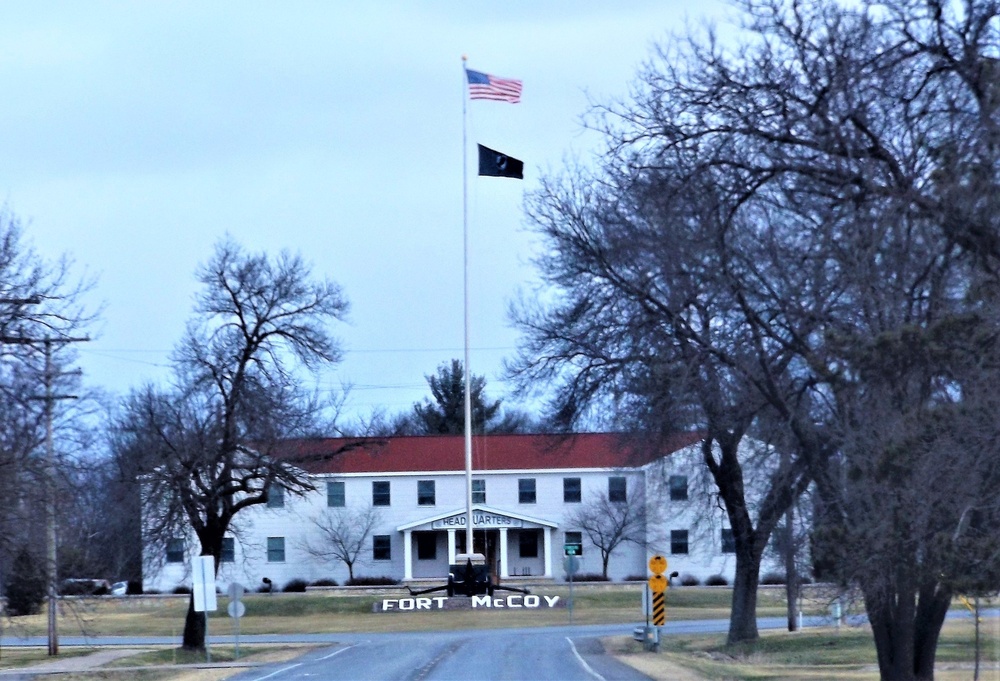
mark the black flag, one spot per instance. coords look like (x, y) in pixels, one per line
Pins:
(495, 164)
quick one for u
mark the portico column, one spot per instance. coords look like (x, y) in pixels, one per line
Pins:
(548, 552)
(451, 547)
(504, 571)
(407, 554)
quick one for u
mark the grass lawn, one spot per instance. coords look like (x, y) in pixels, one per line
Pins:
(847, 654)
(330, 612)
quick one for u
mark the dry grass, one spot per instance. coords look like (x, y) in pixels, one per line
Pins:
(331, 612)
(822, 654)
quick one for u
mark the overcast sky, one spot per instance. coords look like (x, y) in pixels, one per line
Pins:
(134, 135)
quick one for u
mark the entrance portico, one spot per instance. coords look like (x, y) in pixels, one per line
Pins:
(492, 530)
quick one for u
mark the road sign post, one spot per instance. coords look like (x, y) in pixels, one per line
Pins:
(236, 610)
(572, 565)
(203, 591)
(658, 584)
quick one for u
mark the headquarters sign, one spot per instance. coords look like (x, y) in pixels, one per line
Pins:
(480, 520)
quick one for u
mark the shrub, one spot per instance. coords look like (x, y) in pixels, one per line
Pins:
(636, 578)
(181, 589)
(689, 580)
(716, 580)
(772, 578)
(26, 585)
(325, 581)
(590, 577)
(372, 581)
(134, 587)
(295, 586)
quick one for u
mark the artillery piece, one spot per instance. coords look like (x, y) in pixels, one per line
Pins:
(469, 579)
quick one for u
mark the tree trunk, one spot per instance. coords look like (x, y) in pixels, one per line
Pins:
(194, 629)
(743, 616)
(932, 607)
(791, 571)
(906, 627)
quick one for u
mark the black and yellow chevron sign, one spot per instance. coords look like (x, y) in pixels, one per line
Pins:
(657, 585)
(659, 610)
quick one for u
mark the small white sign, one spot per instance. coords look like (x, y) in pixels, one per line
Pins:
(203, 584)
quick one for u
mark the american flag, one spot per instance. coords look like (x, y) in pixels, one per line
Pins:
(485, 86)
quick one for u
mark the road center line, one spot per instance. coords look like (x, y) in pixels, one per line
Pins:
(583, 662)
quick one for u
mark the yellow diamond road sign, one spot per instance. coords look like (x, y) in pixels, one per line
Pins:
(657, 564)
(657, 584)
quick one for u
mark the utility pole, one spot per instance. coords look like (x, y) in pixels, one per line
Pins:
(49, 397)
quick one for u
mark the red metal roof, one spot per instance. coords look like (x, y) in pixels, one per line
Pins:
(489, 452)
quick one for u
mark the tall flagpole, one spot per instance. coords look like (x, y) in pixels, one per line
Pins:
(465, 296)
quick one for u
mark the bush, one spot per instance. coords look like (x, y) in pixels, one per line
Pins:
(134, 587)
(181, 589)
(772, 578)
(590, 577)
(26, 585)
(295, 586)
(636, 578)
(689, 580)
(371, 581)
(716, 580)
(326, 581)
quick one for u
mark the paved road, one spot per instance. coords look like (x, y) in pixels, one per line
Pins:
(498, 655)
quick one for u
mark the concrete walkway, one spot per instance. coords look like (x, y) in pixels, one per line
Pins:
(99, 658)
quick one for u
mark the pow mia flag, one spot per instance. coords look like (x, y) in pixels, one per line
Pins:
(494, 164)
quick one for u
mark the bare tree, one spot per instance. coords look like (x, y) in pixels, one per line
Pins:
(41, 307)
(209, 444)
(852, 155)
(344, 535)
(608, 524)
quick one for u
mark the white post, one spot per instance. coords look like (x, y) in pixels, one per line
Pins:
(504, 571)
(407, 554)
(451, 547)
(548, 552)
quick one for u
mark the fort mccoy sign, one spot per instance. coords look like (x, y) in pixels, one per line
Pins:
(484, 602)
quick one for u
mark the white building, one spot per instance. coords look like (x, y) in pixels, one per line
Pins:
(526, 491)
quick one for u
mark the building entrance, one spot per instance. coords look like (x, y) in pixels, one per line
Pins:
(484, 542)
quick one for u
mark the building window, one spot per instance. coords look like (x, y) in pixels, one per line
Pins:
(616, 489)
(426, 545)
(380, 493)
(574, 542)
(381, 547)
(335, 494)
(479, 491)
(275, 496)
(528, 544)
(275, 549)
(678, 488)
(228, 554)
(728, 541)
(425, 492)
(175, 551)
(678, 541)
(571, 491)
(526, 491)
